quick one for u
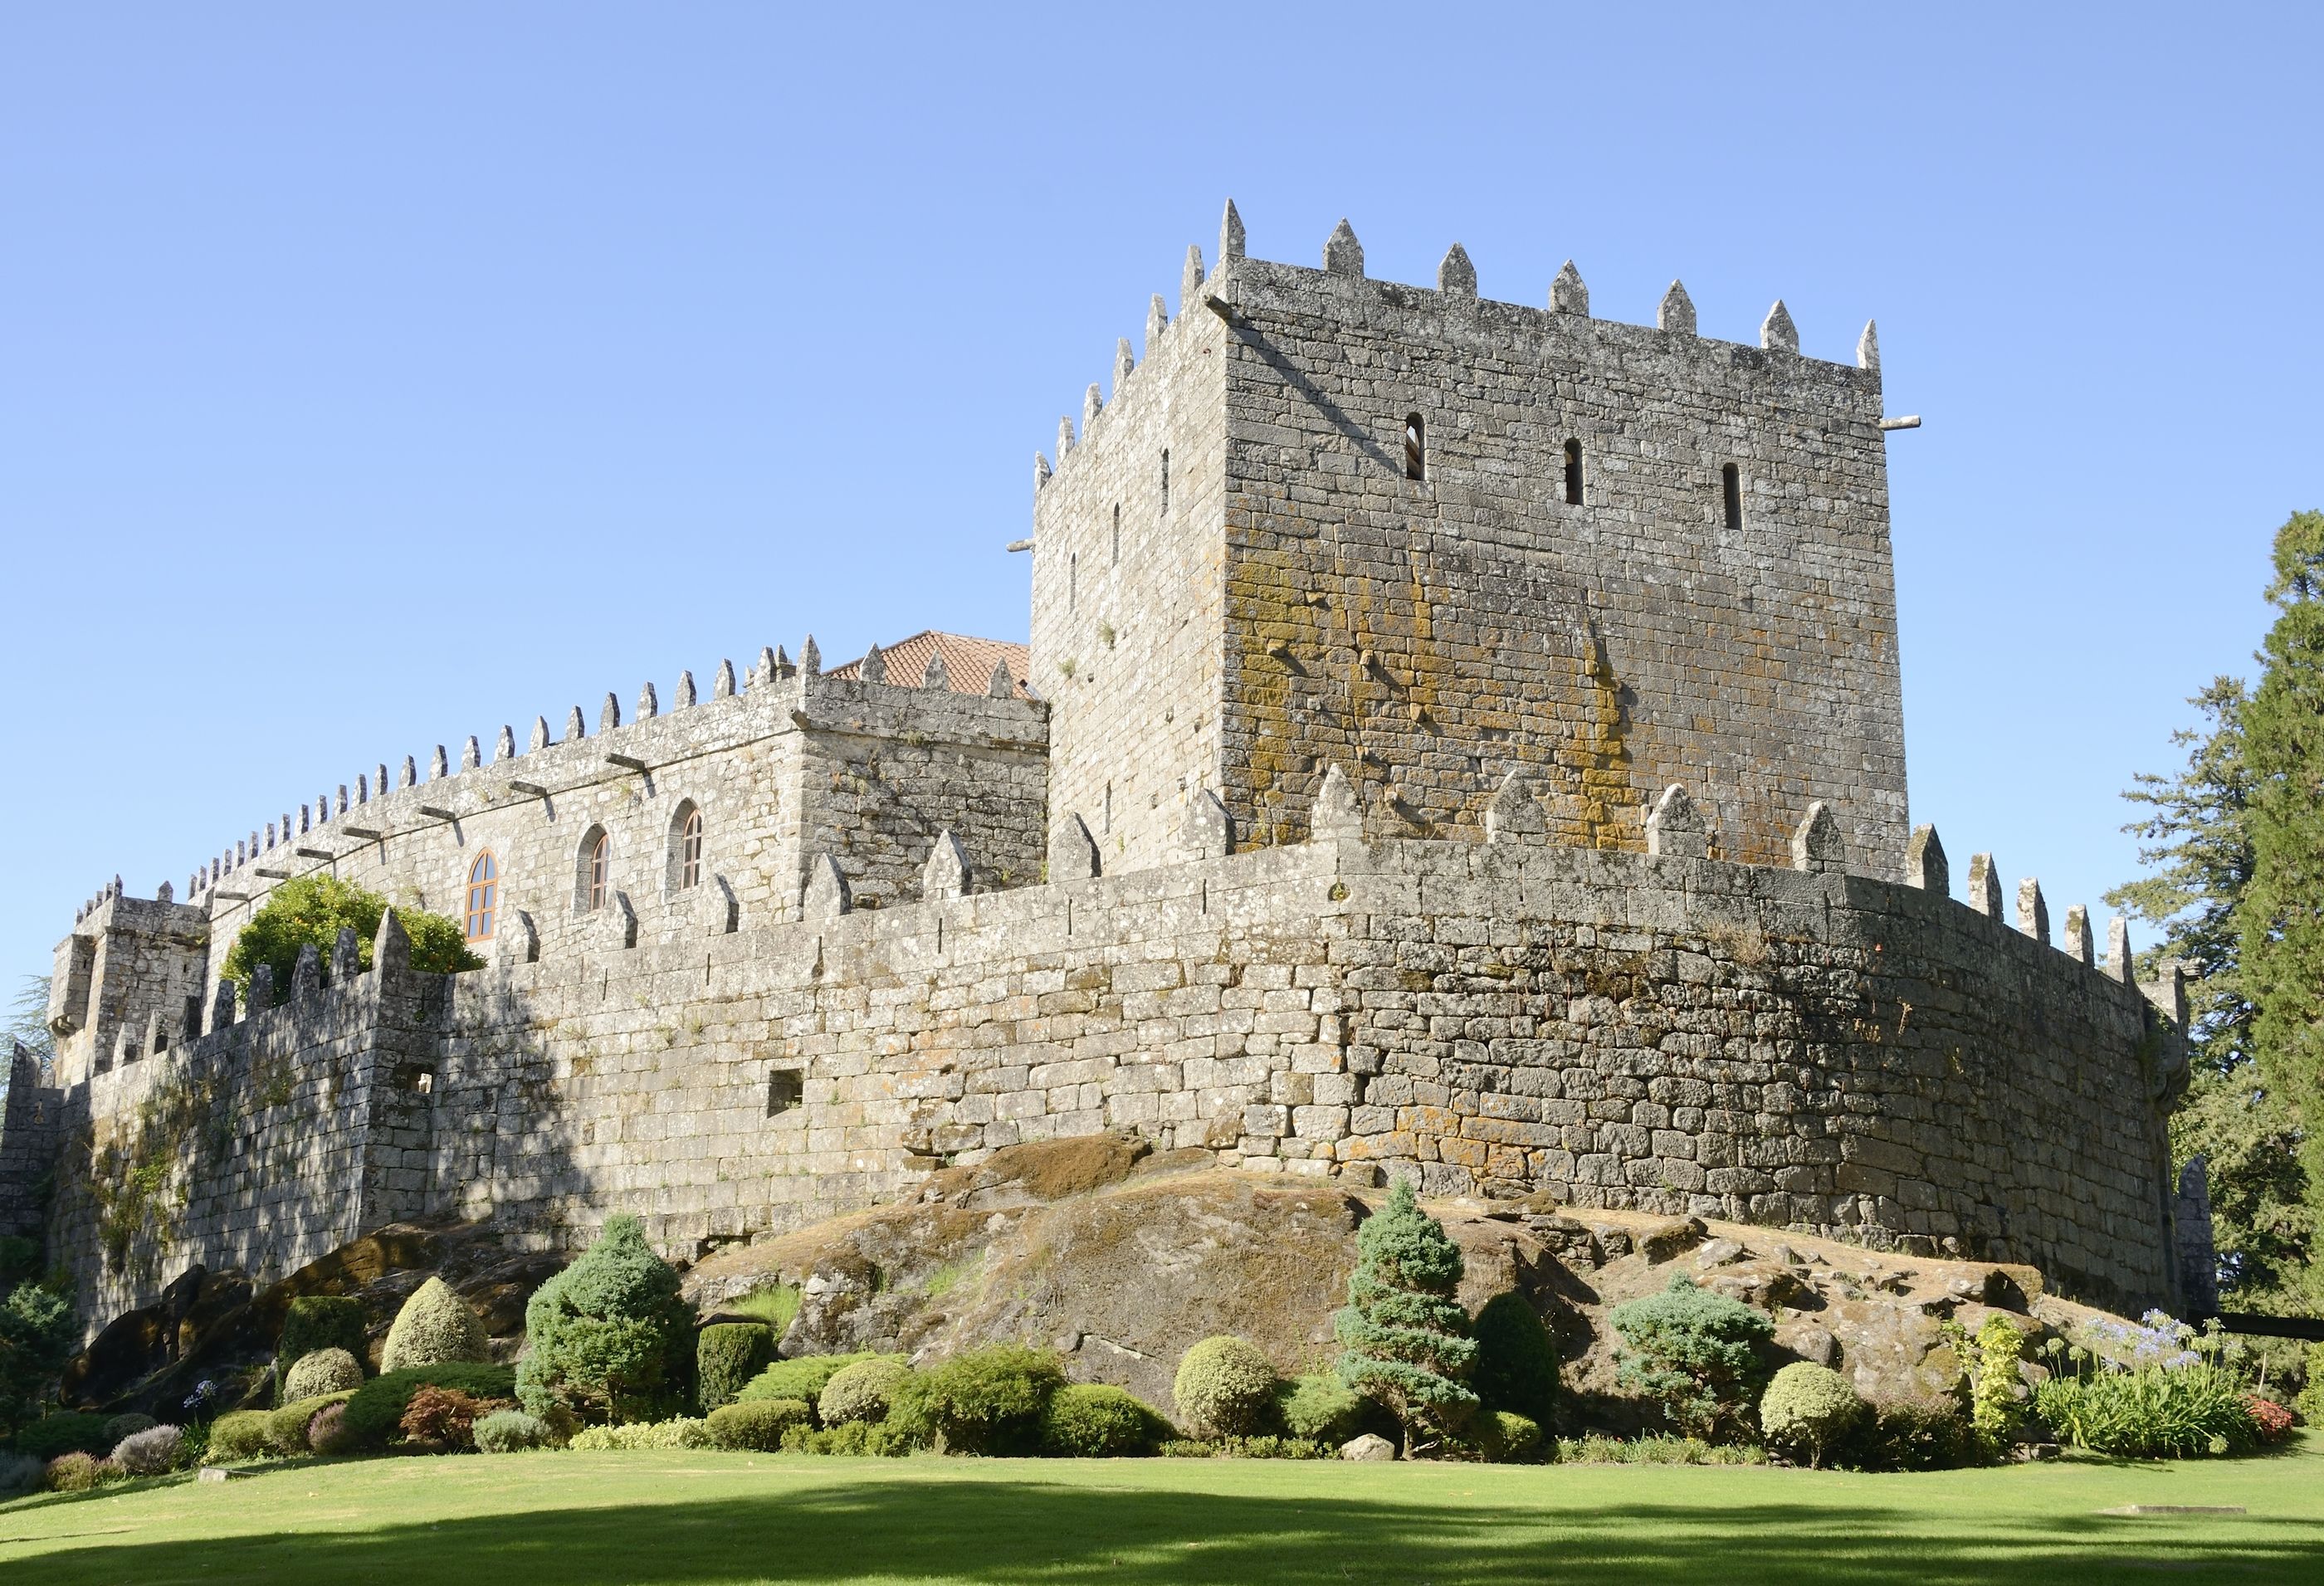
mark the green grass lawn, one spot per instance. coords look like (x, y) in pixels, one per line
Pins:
(685, 1517)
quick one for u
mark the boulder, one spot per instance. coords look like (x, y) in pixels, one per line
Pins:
(1369, 1446)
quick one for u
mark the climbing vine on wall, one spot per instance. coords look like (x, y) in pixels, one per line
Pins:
(138, 1175)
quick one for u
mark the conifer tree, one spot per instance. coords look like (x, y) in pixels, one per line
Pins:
(2283, 915)
(1405, 1337)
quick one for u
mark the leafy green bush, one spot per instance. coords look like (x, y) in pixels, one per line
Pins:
(127, 1424)
(1224, 1388)
(1321, 1407)
(322, 1371)
(1516, 1359)
(1246, 1448)
(239, 1434)
(1905, 1436)
(433, 1327)
(20, 1474)
(513, 1432)
(806, 1377)
(681, 1432)
(1809, 1409)
(37, 1334)
(1404, 1338)
(2151, 1412)
(149, 1453)
(609, 1337)
(759, 1424)
(852, 1437)
(77, 1472)
(727, 1355)
(310, 911)
(65, 1432)
(1092, 1421)
(1659, 1449)
(1994, 1394)
(319, 1322)
(1504, 1435)
(863, 1391)
(988, 1401)
(1696, 1353)
(375, 1413)
(2311, 1402)
(287, 1428)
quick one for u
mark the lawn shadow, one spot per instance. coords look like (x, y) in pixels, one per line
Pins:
(1023, 1530)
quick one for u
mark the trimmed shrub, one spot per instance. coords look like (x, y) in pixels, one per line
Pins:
(1503, 1435)
(65, 1431)
(324, 1371)
(445, 1418)
(1091, 1421)
(1658, 1448)
(684, 1431)
(988, 1401)
(20, 1474)
(72, 1473)
(610, 1339)
(1404, 1338)
(1321, 1407)
(435, 1327)
(1246, 1448)
(375, 1412)
(726, 1356)
(1517, 1359)
(286, 1428)
(240, 1434)
(513, 1432)
(1906, 1435)
(806, 1377)
(327, 1433)
(149, 1453)
(319, 1322)
(1696, 1354)
(855, 1437)
(127, 1424)
(1809, 1409)
(759, 1424)
(1224, 1388)
(863, 1391)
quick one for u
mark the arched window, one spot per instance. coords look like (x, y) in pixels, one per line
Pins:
(1415, 447)
(593, 872)
(483, 895)
(1732, 480)
(686, 846)
(1572, 473)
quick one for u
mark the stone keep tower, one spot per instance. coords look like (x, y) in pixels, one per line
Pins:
(1438, 539)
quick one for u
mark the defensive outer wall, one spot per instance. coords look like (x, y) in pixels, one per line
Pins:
(1436, 779)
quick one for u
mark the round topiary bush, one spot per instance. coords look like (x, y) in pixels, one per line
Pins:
(609, 1337)
(1808, 1410)
(726, 1356)
(806, 1375)
(863, 1391)
(72, 1473)
(325, 1372)
(239, 1434)
(1507, 1435)
(320, 1321)
(759, 1424)
(150, 1453)
(1093, 1421)
(435, 1327)
(988, 1401)
(1225, 1388)
(513, 1432)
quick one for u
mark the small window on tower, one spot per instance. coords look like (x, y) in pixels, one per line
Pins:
(1415, 447)
(1165, 480)
(1073, 579)
(786, 1089)
(1731, 481)
(1572, 473)
(1117, 534)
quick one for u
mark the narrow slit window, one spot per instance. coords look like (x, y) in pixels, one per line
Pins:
(1730, 480)
(1117, 534)
(1072, 580)
(1415, 447)
(1572, 473)
(1109, 807)
(483, 895)
(1165, 481)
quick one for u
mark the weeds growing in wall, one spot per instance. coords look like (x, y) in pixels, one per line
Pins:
(137, 1176)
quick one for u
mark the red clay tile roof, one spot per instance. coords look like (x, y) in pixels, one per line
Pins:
(968, 662)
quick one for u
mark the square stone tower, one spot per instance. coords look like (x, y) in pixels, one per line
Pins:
(1436, 539)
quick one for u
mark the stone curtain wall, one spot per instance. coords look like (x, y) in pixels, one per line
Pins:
(1441, 631)
(1843, 1055)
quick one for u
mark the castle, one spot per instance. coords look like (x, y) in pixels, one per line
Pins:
(1458, 740)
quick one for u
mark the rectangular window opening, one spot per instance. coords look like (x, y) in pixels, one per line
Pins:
(1732, 480)
(786, 1089)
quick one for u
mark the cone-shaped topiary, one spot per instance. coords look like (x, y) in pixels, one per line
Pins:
(608, 1338)
(436, 1327)
(1405, 1337)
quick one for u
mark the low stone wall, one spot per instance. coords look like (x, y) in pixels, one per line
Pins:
(1814, 1050)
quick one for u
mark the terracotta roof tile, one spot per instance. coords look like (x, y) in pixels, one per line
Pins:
(968, 662)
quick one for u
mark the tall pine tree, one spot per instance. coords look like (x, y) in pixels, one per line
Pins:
(2281, 917)
(2195, 843)
(1406, 1338)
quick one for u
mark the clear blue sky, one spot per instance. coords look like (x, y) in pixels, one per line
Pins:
(370, 376)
